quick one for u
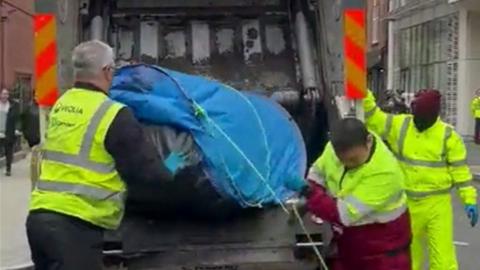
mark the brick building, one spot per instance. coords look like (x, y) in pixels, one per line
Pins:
(16, 47)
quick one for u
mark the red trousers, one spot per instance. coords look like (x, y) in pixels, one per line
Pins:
(398, 261)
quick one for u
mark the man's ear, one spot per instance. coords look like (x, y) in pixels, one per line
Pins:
(369, 140)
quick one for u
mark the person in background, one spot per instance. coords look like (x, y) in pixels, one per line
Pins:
(475, 107)
(94, 148)
(357, 186)
(9, 118)
(434, 159)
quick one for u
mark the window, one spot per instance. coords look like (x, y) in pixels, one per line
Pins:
(375, 21)
(428, 55)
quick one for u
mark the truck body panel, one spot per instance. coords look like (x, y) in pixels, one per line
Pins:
(250, 45)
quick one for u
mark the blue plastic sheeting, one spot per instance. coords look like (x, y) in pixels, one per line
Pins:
(250, 144)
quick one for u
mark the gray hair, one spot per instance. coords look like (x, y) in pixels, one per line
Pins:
(90, 57)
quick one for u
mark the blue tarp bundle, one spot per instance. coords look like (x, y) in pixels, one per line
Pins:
(250, 145)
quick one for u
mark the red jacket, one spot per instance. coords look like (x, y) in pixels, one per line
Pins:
(371, 246)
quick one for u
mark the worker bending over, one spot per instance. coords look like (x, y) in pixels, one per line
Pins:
(433, 157)
(92, 144)
(357, 185)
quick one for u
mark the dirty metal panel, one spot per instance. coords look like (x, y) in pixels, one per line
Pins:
(224, 40)
(194, 3)
(125, 44)
(149, 42)
(249, 54)
(200, 42)
(252, 45)
(274, 39)
(176, 46)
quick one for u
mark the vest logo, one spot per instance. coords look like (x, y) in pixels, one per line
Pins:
(68, 109)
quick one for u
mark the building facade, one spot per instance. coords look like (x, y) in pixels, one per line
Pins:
(16, 47)
(377, 44)
(436, 44)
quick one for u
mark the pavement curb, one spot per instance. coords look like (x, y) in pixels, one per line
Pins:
(16, 157)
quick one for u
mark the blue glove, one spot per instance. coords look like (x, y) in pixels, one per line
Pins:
(472, 213)
(296, 184)
(175, 161)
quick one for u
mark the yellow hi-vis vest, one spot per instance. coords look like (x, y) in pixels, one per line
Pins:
(78, 177)
(371, 193)
(475, 106)
(434, 160)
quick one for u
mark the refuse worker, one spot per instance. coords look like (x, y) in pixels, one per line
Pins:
(475, 107)
(357, 186)
(92, 144)
(433, 157)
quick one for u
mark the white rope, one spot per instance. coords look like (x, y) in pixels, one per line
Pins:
(249, 162)
(309, 237)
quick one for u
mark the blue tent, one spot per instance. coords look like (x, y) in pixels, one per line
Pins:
(249, 143)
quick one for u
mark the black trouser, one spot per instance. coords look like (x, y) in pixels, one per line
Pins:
(477, 130)
(59, 242)
(7, 146)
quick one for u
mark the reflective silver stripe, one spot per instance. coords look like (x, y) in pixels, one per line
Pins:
(446, 136)
(370, 112)
(316, 177)
(93, 127)
(384, 217)
(467, 183)
(423, 194)
(423, 163)
(81, 190)
(458, 163)
(370, 215)
(403, 135)
(82, 158)
(77, 161)
(388, 127)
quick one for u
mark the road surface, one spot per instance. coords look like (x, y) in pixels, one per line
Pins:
(14, 198)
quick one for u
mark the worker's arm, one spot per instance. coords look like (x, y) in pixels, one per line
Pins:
(319, 202)
(349, 210)
(135, 157)
(459, 170)
(475, 105)
(380, 122)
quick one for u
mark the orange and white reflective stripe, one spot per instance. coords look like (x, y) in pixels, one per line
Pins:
(355, 53)
(46, 85)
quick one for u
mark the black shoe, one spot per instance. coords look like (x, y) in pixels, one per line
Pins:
(8, 173)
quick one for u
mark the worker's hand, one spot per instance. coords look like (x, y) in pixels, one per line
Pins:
(472, 213)
(297, 184)
(298, 205)
(175, 161)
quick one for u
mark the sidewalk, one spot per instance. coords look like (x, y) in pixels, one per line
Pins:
(14, 200)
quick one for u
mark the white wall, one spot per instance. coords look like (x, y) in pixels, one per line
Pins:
(469, 68)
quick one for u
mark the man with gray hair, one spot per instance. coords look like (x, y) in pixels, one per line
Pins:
(94, 148)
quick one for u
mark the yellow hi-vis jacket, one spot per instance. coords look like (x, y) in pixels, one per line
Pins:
(434, 160)
(78, 177)
(371, 193)
(475, 107)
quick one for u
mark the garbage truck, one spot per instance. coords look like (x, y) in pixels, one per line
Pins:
(286, 50)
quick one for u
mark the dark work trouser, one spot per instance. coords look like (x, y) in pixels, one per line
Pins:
(59, 242)
(7, 147)
(477, 130)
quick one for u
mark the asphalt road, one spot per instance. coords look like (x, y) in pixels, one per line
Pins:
(14, 197)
